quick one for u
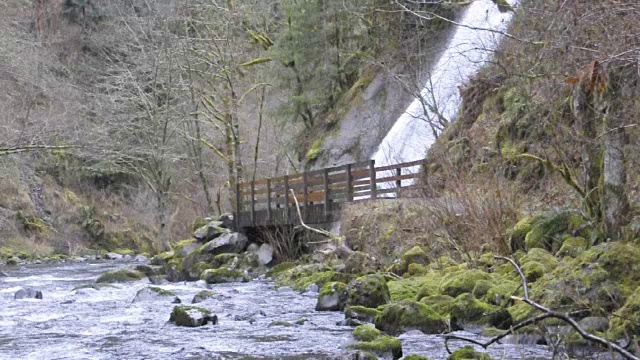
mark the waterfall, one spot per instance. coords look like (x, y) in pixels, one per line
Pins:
(467, 51)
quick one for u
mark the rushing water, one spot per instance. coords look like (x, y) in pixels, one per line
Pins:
(105, 324)
(467, 51)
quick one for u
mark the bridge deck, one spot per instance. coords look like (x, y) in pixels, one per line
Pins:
(321, 193)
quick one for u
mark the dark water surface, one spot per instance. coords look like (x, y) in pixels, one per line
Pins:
(105, 324)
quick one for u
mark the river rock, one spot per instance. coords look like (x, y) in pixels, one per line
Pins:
(332, 297)
(158, 280)
(119, 276)
(210, 231)
(140, 258)
(28, 293)
(149, 270)
(112, 256)
(191, 316)
(202, 296)
(153, 293)
(405, 315)
(265, 254)
(227, 243)
(227, 221)
(369, 291)
(223, 275)
(3, 274)
(469, 313)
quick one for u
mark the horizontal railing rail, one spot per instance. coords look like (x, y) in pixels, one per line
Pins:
(320, 193)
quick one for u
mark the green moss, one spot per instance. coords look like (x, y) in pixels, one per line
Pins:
(223, 259)
(366, 333)
(481, 288)
(406, 315)
(416, 269)
(300, 277)
(411, 288)
(518, 232)
(500, 294)
(223, 275)
(361, 313)
(119, 276)
(573, 246)
(283, 266)
(333, 287)
(202, 296)
(521, 311)
(314, 150)
(161, 292)
(181, 317)
(533, 271)
(463, 282)
(468, 353)
(626, 322)
(369, 291)
(197, 223)
(124, 252)
(414, 357)
(184, 247)
(548, 261)
(381, 345)
(96, 286)
(280, 323)
(439, 303)
(546, 232)
(467, 310)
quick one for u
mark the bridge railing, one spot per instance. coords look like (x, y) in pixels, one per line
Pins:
(320, 193)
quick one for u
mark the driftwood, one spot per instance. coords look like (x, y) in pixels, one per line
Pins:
(546, 313)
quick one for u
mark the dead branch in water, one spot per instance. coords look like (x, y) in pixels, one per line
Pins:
(546, 313)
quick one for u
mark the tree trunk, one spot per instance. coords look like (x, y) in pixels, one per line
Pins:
(614, 201)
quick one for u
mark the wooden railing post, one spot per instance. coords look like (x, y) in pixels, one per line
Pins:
(253, 203)
(325, 183)
(305, 198)
(286, 198)
(398, 182)
(268, 200)
(238, 206)
(372, 180)
(349, 184)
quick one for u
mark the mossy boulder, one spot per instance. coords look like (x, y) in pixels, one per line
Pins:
(183, 247)
(383, 346)
(301, 276)
(359, 263)
(120, 276)
(405, 315)
(463, 282)
(202, 296)
(360, 314)
(277, 269)
(573, 246)
(546, 232)
(192, 316)
(366, 333)
(225, 259)
(369, 291)
(500, 293)
(414, 255)
(417, 270)
(625, 324)
(414, 287)
(468, 312)
(439, 303)
(153, 293)
(332, 297)
(517, 234)
(481, 288)
(468, 353)
(223, 275)
(162, 258)
(150, 270)
(414, 357)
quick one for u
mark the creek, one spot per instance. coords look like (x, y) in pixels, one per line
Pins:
(105, 324)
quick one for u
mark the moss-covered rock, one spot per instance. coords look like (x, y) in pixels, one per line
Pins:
(414, 357)
(366, 333)
(546, 232)
(414, 287)
(481, 288)
(162, 258)
(277, 269)
(573, 246)
(533, 271)
(153, 293)
(192, 316)
(417, 270)
(360, 314)
(225, 259)
(500, 293)
(149, 270)
(332, 297)
(301, 276)
(120, 276)
(223, 275)
(517, 234)
(369, 291)
(359, 263)
(383, 346)
(468, 353)
(408, 315)
(202, 296)
(183, 247)
(439, 303)
(414, 255)
(466, 312)
(625, 324)
(463, 282)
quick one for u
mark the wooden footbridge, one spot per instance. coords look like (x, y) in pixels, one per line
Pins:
(320, 194)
